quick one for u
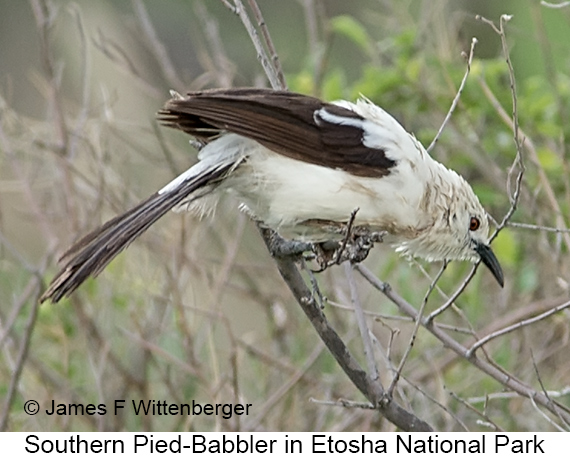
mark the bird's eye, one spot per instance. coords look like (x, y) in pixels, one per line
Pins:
(474, 224)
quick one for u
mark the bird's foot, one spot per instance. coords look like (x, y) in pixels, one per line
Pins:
(360, 245)
(355, 247)
(280, 247)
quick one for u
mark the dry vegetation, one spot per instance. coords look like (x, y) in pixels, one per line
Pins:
(197, 310)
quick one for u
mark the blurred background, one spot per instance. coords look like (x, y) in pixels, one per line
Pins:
(196, 309)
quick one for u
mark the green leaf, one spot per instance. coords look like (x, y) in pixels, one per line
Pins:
(548, 159)
(333, 85)
(353, 30)
(302, 82)
(377, 83)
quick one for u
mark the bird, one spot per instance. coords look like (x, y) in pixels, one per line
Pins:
(305, 168)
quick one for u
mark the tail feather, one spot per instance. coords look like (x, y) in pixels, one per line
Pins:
(91, 254)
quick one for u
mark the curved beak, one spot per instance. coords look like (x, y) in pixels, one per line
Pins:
(490, 261)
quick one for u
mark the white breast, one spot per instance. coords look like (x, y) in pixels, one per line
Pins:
(284, 192)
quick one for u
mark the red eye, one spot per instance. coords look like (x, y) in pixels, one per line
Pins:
(474, 224)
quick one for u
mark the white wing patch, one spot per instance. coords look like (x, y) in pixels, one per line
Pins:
(218, 154)
(379, 130)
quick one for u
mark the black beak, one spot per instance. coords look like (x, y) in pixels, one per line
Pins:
(490, 261)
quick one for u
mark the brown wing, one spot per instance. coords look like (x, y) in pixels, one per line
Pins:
(283, 122)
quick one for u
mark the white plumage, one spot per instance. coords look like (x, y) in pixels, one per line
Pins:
(302, 167)
(410, 204)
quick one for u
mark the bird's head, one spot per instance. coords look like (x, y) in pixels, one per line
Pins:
(459, 229)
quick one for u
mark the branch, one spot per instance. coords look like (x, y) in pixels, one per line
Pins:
(456, 99)
(518, 162)
(156, 47)
(510, 328)
(361, 320)
(269, 43)
(22, 356)
(372, 390)
(418, 320)
(272, 73)
(506, 379)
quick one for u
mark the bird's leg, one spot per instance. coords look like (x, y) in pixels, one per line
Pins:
(280, 247)
(355, 250)
(356, 244)
(333, 252)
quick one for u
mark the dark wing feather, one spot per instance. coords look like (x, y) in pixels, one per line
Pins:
(283, 122)
(92, 253)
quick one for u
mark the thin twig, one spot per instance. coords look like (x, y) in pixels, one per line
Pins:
(156, 47)
(455, 295)
(269, 43)
(519, 160)
(347, 236)
(361, 320)
(541, 228)
(457, 95)
(506, 379)
(509, 395)
(344, 403)
(21, 359)
(516, 326)
(470, 407)
(417, 325)
(545, 392)
(270, 71)
(533, 157)
(548, 419)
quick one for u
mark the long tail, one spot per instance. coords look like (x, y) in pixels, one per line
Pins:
(91, 254)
